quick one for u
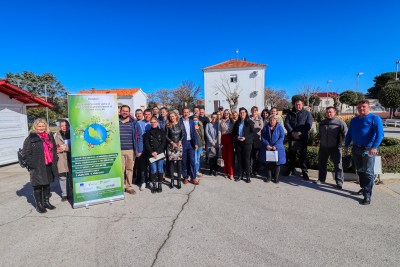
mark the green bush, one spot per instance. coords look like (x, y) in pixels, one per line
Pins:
(389, 151)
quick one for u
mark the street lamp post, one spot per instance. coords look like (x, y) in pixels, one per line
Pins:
(397, 68)
(327, 89)
(358, 77)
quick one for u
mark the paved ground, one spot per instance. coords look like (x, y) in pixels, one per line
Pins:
(219, 223)
(392, 132)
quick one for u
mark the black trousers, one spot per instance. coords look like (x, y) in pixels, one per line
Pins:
(273, 170)
(142, 164)
(243, 154)
(254, 159)
(302, 155)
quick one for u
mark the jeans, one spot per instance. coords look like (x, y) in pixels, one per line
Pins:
(157, 166)
(197, 156)
(365, 168)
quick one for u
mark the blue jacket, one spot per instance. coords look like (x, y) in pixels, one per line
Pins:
(274, 139)
(193, 136)
(138, 137)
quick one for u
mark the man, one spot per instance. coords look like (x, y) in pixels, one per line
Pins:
(332, 132)
(162, 119)
(196, 112)
(189, 145)
(126, 130)
(142, 161)
(203, 118)
(139, 114)
(366, 134)
(298, 124)
(255, 150)
(155, 111)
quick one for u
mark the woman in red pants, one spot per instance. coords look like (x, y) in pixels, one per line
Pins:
(225, 132)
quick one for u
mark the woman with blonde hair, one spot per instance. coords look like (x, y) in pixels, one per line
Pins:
(40, 153)
(174, 136)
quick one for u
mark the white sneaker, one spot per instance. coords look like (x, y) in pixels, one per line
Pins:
(199, 174)
(142, 187)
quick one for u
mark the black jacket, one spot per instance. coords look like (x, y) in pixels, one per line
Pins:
(174, 133)
(154, 141)
(300, 121)
(248, 132)
(33, 153)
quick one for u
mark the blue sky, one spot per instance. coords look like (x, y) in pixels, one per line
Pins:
(158, 44)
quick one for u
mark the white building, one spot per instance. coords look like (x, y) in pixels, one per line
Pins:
(133, 97)
(14, 102)
(245, 78)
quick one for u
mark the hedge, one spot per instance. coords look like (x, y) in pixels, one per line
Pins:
(389, 150)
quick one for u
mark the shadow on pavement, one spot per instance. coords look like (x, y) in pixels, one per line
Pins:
(26, 191)
(329, 188)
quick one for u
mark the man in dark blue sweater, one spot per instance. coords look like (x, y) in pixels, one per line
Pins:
(366, 133)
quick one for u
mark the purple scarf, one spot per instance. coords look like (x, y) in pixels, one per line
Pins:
(47, 147)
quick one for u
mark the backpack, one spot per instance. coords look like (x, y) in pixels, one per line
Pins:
(21, 159)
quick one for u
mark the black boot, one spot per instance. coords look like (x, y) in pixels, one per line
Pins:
(276, 174)
(179, 174)
(37, 194)
(160, 178)
(46, 197)
(153, 186)
(248, 178)
(268, 178)
(171, 173)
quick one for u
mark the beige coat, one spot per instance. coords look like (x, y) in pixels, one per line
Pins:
(63, 157)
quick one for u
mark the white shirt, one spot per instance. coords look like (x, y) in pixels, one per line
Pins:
(187, 128)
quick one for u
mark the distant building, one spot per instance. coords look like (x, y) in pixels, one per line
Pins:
(327, 100)
(14, 102)
(133, 97)
(247, 78)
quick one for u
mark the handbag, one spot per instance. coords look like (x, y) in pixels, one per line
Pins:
(271, 156)
(220, 161)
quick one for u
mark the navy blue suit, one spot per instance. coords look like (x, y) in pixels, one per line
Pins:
(188, 153)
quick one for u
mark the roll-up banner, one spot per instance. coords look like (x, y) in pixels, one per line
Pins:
(95, 149)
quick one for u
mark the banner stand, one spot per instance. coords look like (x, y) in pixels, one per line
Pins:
(95, 149)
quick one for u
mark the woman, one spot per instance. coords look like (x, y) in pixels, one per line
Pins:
(255, 151)
(174, 137)
(212, 143)
(40, 153)
(274, 111)
(201, 143)
(225, 131)
(243, 133)
(272, 137)
(264, 116)
(63, 143)
(154, 144)
(235, 116)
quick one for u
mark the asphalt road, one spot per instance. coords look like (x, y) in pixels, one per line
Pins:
(218, 223)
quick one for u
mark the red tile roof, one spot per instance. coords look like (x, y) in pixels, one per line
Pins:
(330, 94)
(234, 64)
(21, 95)
(119, 92)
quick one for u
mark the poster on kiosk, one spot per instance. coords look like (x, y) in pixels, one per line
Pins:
(95, 149)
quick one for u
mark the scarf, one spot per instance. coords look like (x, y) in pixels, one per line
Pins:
(47, 147)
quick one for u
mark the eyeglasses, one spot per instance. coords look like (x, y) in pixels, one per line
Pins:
(154, 122)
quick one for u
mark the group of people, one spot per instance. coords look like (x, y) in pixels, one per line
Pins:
(157, 143)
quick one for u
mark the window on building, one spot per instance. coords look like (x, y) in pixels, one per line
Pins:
(233, 78)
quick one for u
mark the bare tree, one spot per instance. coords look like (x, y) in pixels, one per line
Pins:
(310, 94)
(230, 90)
(336, 100)
(185, 95)
(275, 98)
